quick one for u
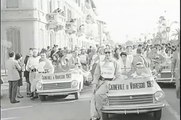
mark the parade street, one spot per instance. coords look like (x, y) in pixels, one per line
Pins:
(69, 109)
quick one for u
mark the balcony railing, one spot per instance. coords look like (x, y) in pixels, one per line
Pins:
(54, 20)
(71, 27)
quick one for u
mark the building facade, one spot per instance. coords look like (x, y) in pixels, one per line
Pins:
(40, 23)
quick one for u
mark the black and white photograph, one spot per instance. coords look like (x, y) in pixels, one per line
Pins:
(90, 60)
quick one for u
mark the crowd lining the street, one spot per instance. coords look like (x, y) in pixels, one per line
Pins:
(56, 60)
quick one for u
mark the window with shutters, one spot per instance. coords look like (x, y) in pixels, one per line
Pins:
(12, 3)
(69, 15)
(52, 39)
(64, 9)
(59, 4)
(41, 37)
(51, 9)
(13, 36)
(41, 4)
(79, 3)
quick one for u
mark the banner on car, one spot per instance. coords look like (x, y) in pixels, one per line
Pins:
(56, 76)
(132, 84)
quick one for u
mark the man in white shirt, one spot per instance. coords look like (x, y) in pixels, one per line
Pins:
(32, 67)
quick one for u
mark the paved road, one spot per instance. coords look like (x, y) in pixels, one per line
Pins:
(69, 109)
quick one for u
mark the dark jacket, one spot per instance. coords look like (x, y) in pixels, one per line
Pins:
(26, 73)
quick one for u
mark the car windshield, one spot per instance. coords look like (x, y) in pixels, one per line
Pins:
(139, 77)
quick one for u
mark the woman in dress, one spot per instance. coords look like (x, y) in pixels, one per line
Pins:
(18, 57)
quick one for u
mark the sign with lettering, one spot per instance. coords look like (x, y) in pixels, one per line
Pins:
(58, 76)
(130, 84)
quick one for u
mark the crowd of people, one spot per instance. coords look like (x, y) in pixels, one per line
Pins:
(128, 60)
(140, 61)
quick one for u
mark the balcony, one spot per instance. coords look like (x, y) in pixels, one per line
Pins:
(71, 27)
(55, 21)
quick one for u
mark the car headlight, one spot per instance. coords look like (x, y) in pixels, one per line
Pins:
(39, 85)
(74, 83)
(159, 95)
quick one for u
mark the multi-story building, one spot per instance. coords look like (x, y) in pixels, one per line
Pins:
(40, 23)
(103, 34)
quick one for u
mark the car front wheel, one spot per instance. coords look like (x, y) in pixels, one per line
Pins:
(77, 95)
(42, 97)
(157, 115)
(105, 116)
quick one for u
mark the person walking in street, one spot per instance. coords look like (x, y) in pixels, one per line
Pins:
(176, 69)
(26, 73)
(84, 59)
(18, 58)
(32, 66)
(13, 76)
(106, 70)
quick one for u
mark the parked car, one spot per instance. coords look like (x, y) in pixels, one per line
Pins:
(60, 84)
(134, 95)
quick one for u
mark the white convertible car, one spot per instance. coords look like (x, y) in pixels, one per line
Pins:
(134, 95)
(60, 84)
(165, 75)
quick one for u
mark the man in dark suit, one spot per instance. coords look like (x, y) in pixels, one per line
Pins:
(26, 73)
(13, 76)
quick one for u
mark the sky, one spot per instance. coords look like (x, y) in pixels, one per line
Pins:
(132, 19)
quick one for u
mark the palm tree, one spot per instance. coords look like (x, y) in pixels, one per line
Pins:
(177, 34)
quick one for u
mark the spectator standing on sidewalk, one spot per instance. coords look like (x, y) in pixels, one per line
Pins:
(18, 58)
(26, 73)
(13, 76)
